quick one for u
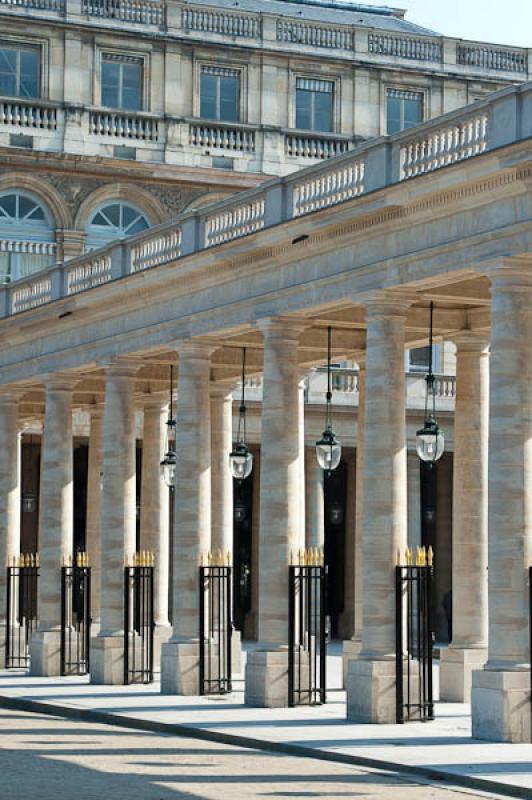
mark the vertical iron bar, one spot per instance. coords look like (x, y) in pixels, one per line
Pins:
(399, 645)
(202, 629)
(291, 632)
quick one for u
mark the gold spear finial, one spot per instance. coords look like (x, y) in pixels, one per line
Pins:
(430, 556)
(228, 558)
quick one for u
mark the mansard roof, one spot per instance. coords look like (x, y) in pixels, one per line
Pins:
(341, 12)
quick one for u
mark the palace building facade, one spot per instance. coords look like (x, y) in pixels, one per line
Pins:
(156, 211)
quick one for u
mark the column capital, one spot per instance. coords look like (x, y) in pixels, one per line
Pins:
(156, 401)
(61, 381)
(201, 348)
(121, 367)
(223, 389)
(511, 273)
(96, 411)
(386, 303)
(10, 394)
(471, 342)
(285, 326)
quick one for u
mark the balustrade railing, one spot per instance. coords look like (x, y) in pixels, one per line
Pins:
(453, 141)
(407, 47)
(235, 222)
(332, 38)
(223, 137)
(328, 189)
(28, 114)
(122, 125)
(146, 12)
(302, 145)
(207, 21)
(492, 58)
(464, 134)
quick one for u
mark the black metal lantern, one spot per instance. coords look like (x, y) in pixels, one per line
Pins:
(168, 464)
(240, 458)
(430, 440)
(328, 448)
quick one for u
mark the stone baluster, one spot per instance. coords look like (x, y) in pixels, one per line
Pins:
(468, 649)
(280, 495)
(371, 677)
(192, 517)
(56, 522)
(500, 696)
(9, 499)
(118, 520)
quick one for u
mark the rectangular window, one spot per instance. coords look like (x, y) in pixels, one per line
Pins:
(20, 71)
(122, 82)
(404, 109)
(418, 358)
(220, 94)
(314, 105)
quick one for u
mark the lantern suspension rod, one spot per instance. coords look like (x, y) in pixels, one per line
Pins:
(242, 409)
(329, 390)
(171, 403)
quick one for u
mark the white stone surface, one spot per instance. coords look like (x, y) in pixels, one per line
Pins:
(10, 493)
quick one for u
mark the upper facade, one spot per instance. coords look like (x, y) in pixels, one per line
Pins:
(249, 86)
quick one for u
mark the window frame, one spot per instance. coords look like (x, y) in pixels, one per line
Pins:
(422, 91)
(92, 235)
(422, 369)
(313, 93)
(21, 239)
(242, 92)
(236, 74)
(336, 80)
(122, 59)
(34, 45)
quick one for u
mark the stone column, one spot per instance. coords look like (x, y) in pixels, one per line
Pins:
(500, 694)
(222, 490)
(315, 516)
(192, 517)
(118, 516)
(468, 649)
(371, 677)
(351, 647)
(56, 522)
(94, 509)
(9, 499)
(155, 514)
(280, 532)
(301, 461)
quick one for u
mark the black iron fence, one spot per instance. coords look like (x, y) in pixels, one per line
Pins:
(75, 616)
(307, 654)
(216, 625)
(22, 592)
(139, 619)
(414, 638)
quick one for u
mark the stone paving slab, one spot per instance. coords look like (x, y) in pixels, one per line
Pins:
(443, 749)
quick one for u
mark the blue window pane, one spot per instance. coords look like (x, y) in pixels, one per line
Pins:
(110, 84)
(323, 111)
(8, 72)
(29, 73)
(208, 86)
(393, 115)
(412, 112)
(228, 99)
(8, 205)
(303, 109)
(131, 87)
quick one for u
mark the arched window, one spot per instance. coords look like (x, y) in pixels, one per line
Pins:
(27, 236)
(114, 221)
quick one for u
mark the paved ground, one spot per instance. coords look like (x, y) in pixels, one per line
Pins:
(56, 759)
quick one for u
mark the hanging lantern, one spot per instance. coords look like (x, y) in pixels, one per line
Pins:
(430, 441)
(168, 464)
(328, 448)
(240, 458)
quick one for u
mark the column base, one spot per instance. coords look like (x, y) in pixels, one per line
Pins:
(371, 692)
(236, 653)
(161, 634)
(107, 660)
(180, 668)
(456, 669)
(500, 706)
(45, 653)
(267, 679)
(350, 650)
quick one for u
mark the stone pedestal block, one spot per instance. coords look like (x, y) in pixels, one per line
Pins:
(45, 653)
(371, 691)
(351, 649)
(267, 679)
(180, 668)
(500, 705)
(161, 635)
(107, 660)
(3, 628)
(456, 668)
(236, 653)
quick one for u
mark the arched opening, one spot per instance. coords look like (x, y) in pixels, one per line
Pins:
(27, 236)
(112, 221)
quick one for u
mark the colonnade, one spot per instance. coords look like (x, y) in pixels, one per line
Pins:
(489, 654)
